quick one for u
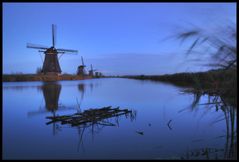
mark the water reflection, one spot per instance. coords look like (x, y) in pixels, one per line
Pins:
(212, 136)
(8, 86)
(94, 120)
(51, 92)
(81, 88)
(230, 113)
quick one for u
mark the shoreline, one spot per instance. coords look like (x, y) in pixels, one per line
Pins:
(41, 77)
(221, 83)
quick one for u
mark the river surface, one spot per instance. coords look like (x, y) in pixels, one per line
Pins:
(166, 124)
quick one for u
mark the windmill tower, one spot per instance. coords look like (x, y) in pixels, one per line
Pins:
(51, 64)
(91, 71)
(81, 68)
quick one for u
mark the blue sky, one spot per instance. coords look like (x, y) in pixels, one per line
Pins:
(117, 38)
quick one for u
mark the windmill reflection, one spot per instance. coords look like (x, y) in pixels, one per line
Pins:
(51, 92)
(81, 88)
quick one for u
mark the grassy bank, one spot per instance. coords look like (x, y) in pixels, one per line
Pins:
(39, 77)
(214, 82)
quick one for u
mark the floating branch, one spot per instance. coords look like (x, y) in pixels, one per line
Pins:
(91, 116)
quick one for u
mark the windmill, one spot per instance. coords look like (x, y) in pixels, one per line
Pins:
(98, 74)
(81, 68)
(91, 71)
(51, 64)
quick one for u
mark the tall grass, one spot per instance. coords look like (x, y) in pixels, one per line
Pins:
(221, 47)
(219, 44)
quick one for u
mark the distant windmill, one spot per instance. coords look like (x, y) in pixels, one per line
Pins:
(51, 63)
(81, 68)
(98, 74)
(91, 71)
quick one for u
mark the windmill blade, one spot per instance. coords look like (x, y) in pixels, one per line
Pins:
(53, 35)
(29, 45)
(67, 50)
(82, 61)
(92, 68)
(59, 52)
(40, 55)
(60, 56)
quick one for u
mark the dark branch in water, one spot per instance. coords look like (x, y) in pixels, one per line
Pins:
(169, 124)
(139, 132)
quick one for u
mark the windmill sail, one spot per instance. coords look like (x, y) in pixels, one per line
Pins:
(53, 35)
(30, 45)
(82, 61)
(67, 50)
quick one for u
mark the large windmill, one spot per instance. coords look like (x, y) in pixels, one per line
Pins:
(81, 68)
(51, 62)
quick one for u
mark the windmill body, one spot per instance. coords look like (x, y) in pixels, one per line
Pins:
(81, 68)
(51, 64)
(91, 71)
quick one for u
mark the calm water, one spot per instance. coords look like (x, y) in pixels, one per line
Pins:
(165, 126)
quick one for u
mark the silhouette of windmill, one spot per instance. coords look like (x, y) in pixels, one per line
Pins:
(51, 64)
(91, 71)
(81, 68)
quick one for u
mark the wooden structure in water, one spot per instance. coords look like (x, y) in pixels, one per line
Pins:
(92, 116)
